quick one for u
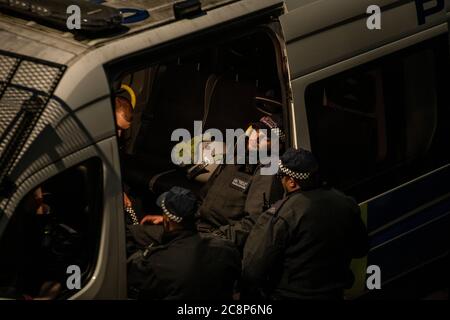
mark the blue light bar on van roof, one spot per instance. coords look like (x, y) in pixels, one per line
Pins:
(94, 17)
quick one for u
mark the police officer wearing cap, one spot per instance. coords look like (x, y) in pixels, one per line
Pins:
(302, 246)
(238, 193)
(184, 265)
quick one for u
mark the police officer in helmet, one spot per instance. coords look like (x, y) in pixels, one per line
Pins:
(239, 192)
(184, 265)
(302, 246)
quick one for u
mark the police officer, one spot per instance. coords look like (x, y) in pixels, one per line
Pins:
(302, 246)
(124, 118)
(239, 193)
(185, 265)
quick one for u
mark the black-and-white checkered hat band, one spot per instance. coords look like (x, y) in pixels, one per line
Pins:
(170, 215)
(293, 174)
(279, 133)
(273, 126)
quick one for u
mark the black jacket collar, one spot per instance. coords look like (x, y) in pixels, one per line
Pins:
(289, 194)
(175, 235)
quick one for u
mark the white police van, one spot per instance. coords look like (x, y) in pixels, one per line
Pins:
(372, 104)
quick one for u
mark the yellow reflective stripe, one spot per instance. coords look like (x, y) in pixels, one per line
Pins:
(131, 93)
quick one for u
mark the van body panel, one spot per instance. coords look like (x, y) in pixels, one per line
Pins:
(138, 16)
(320, 44)
(24, 44)
(301, 130)
(59, 133)
(160, 15)
(60, 139)
(315, 32)
(307, 17)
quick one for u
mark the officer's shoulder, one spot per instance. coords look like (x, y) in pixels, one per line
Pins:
(341, 195)
(216, 242)
(305, 200)
(223, 246)
(324, 192)
(275, 208)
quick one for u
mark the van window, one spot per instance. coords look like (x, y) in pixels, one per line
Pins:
(56, 225)
(383, 123)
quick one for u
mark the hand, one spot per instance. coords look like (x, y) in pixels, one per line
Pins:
(126, 201)
(152, 219)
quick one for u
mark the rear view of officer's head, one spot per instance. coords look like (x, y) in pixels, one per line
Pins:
(298, 169)
(124, 113)
(179, 206)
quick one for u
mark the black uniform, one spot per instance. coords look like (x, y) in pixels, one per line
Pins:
(301, 248)
(186, 266)
(236, 198)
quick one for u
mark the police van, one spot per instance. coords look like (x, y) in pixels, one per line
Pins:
(366, 91)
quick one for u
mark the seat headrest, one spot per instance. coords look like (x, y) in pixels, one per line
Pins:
(268, 105)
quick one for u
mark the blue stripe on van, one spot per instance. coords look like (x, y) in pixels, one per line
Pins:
(401, 201)
(413, 249)
(428, 214)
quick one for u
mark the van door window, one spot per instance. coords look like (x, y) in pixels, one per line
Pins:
(55, 226)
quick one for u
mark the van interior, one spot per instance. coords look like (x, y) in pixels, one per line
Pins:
(226, 85)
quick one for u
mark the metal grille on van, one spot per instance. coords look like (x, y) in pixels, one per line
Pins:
(26, 86)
